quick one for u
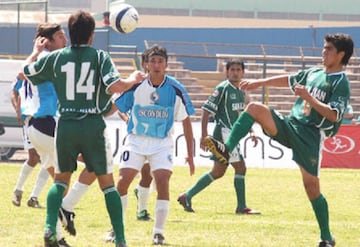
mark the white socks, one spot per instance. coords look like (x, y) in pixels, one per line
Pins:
(23, 175)
(143, 198)
(76, 192)
(40, 182)
(124, 203)
(161, 213)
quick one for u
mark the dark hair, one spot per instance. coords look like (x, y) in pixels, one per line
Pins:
(233, 62)
(157, 51)
(81, 25)
(145, 56)
(342, 42)
(47, 30)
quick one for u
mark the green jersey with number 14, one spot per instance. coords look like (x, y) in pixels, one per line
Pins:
(81, 76)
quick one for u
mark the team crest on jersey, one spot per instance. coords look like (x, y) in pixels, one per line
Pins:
(154, 96)
(232, 96)
(215, 93)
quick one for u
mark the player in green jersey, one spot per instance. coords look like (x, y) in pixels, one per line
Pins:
(84, 79)
(323, 94)
(224, 104)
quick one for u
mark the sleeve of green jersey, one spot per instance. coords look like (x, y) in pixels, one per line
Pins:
(213, 101)
(109, 72)
(39, 71)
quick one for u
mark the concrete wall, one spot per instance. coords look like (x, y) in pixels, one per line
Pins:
(275, 36)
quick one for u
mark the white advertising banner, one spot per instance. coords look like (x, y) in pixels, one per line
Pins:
(267, 154)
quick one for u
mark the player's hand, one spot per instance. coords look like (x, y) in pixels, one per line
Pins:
(190, 160)
(249, 84)
(302, 92)
(202, 144)
(137, 76)
(40, 44)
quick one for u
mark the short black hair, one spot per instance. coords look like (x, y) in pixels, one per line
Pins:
(81, 25)
(342, 42)
(235, 61)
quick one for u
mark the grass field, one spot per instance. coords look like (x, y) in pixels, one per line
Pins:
(287, 218)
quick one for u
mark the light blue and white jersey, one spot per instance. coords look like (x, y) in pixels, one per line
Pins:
(41, 100)
(154, 109)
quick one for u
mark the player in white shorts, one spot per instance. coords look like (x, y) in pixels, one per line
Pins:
(154, 105)
(19, 94)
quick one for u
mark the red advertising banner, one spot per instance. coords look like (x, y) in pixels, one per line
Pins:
(343, 150)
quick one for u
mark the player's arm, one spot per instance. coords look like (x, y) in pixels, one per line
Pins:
(204, 124)
(123, 85)
(275, 81)
(189, 137)
(16, 102)
(39, 45)
(124, 116)
(322, 108)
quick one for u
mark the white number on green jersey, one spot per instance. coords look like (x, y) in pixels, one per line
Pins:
(83, 85)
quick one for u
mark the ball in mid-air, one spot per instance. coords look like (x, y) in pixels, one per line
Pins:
(124, 18)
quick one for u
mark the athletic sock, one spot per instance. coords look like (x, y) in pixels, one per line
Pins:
(239, 183)
(40, 183)
(143, 197)
(59, 230)
(72, 198)
(114, 208)
(23, 175)
(201, 184)
(321, 210)
(53, 203)
(161, 213)
(240, 129)
(124, 203)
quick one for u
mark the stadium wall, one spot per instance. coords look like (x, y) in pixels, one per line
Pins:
(307, 37)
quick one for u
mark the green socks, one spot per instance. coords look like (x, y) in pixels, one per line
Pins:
(321, 210)
(240, 129)
(53, 204)
(239, 183)
(201, 184)
(114, 208)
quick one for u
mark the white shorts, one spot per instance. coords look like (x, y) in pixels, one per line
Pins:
(235, 155)
(44, 145)
(27, 143)
(158, 158)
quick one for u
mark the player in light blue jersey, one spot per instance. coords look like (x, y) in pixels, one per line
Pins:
(21, 91)
(154, 105)
(42, 108)
(322, 97)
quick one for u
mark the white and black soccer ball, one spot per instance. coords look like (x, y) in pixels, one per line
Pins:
(124, 18)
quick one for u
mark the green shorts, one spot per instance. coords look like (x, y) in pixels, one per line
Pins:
(304, 140)
(85, 136)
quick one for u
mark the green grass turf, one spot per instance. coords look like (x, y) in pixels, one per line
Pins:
(287, 218)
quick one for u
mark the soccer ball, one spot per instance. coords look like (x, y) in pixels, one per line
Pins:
(124, 18)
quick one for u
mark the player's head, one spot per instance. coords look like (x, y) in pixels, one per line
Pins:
(157, 62)
(81, 27)
(342, 43)
(235, 62)
(235, 69)
(54, 33)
